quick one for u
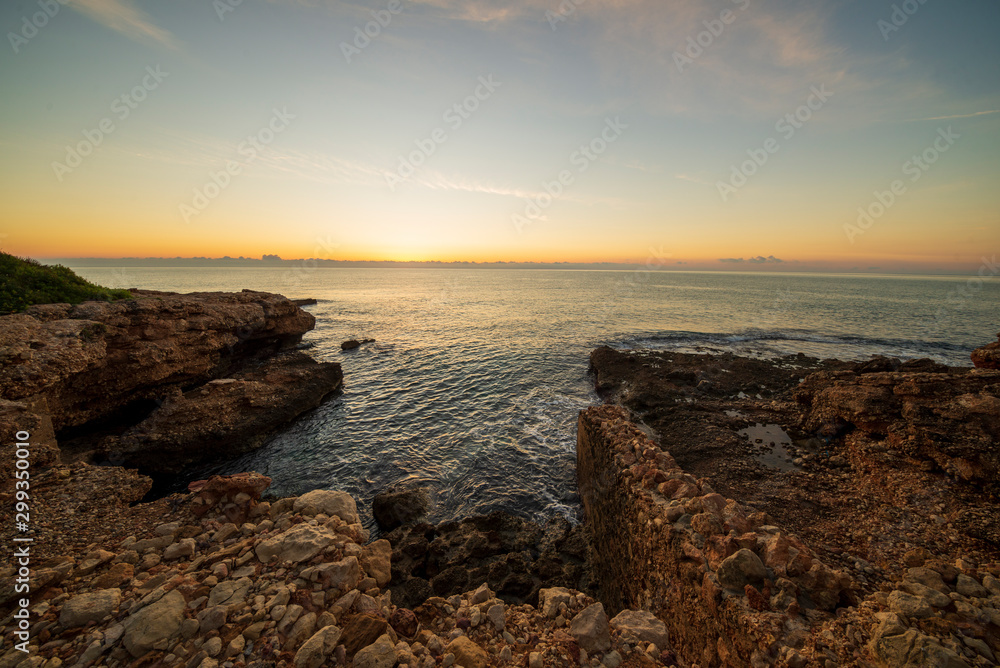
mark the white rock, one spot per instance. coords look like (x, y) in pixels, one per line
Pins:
(330, 503)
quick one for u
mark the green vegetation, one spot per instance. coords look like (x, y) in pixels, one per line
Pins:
(24, 282)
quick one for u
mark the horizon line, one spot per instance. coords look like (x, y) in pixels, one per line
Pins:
(677, 266)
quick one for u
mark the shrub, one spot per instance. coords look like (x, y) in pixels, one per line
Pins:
(24, 282)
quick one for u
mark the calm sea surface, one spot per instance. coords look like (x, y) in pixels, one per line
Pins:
(476, 378)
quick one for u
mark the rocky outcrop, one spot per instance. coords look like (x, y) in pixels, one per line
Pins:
(987, 357)
(400, 504)
(730, 588)
(945, 421)
(515, 557)
(295, 583)
(856, 501)
(154, 380)
(231, 416)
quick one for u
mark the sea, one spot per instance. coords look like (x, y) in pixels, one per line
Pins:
(476, 376)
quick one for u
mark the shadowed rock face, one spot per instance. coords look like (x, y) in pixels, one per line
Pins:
(228, 417)
(166, 379)
(514, 556)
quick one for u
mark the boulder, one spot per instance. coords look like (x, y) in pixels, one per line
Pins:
(330, 503)
(987, 357)
(361, 632)
(380, 654)
(154, 623)
(315, 651)
(741, 569)
(93, 362)
(229, 592)
(236, 415)
(644, 625)
(590, 628)
(90, 607)
(301, 542)
(399, 505)
(376, 560)
(467, 653)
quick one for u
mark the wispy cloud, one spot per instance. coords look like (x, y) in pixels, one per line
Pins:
(124, 17)
(948, 118)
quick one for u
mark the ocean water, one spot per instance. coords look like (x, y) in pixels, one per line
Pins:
(476, 377)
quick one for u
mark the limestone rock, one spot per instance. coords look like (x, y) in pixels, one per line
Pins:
(180, 549)
(362, 631)
(157, 621)
(318, 648)
(644, 625)
(467, 653)
(380, 654)
(229, 592)
(911, 606)
(376, 560)
(330, 503)
(590, 628)
(92, 606)
(301, 542)
(549, 600)
(987, 357)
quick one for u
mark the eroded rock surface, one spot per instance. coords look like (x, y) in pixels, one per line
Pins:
(160, 381)
(797, 511)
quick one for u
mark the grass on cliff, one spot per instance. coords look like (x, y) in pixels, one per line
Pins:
(24, 282)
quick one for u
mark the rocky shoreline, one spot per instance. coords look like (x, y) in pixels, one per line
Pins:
(158, 382)
(841, 514)
(739, 512)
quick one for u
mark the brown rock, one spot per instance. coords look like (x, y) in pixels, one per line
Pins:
(467, 653)
(362, 631)
(116, 576)
(987, 357)
(404, 622)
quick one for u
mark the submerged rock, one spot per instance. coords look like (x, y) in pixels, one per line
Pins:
(399, 505)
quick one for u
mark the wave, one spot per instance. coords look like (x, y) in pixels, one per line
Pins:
(810, 341)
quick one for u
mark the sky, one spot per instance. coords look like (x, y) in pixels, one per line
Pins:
(729, 134)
